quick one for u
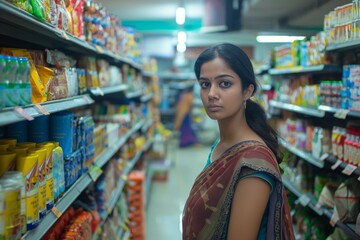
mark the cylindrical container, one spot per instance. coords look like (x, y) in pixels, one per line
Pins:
(18, 130)
(58, 170)
(61, 130)
(28, 166)
(42, 179)
(38, 129)
(7, 162)
(49, 174)
(4, 147)
(29, 145)
(19, 150)
(23, 78)
(11, 141)
(12, 196)
(22, 182)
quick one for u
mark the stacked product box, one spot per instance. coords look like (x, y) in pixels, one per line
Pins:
(350, 92)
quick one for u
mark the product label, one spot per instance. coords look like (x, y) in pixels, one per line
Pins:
(11, 95)
(12, 210)
(32, 197)
(42, 199)
(25, 94)
(49, 183)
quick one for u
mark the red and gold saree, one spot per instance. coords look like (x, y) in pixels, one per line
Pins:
(207, 210)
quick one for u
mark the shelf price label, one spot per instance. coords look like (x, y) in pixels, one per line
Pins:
(100, 91)
(87, 99)
(22, 113)
(95, 172)
(349, 169)
(41, 109)
(334, 218)
(336, 165)
(341, 113)
(324, 156)
(56, 212)
(304, 200)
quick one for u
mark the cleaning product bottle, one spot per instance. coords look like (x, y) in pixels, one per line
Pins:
(23, 78)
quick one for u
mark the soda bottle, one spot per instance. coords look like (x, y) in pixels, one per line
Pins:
(23, 79)
(11, 89)
(2, 81)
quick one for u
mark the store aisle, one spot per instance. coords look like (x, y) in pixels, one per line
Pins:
(167, 199)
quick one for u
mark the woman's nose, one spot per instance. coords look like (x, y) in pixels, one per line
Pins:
(212, 92)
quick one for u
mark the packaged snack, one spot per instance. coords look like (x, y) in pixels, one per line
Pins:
(58, 86)
(23, 4)
(59, 59)
(38, 9)
(347, 202)
(103, 71)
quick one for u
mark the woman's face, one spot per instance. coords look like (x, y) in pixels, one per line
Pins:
(221, 91)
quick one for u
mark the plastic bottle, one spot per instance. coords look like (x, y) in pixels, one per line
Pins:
(11, 90)
(23, 78)
(2, 81)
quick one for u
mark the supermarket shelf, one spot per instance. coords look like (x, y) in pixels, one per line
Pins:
(108, 90)
(178, 76)
(351, 113)
(309, 69)
(294, 108)
(181, 85)
(9, 115)
(266, 87)
(347, 228)
(304, 155)
(171, 111)
(343, 165)
(149, 74)
(147, 125)
(19, 27)
(344, 46)
(147, 97)
(134, 94)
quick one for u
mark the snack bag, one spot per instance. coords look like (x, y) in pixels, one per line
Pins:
(38, 9)
(23, 4)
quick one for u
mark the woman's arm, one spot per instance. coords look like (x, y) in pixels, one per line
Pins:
(248, 207)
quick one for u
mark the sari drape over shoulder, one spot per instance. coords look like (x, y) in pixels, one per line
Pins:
(206, 213)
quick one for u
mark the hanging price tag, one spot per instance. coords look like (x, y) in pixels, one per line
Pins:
(95, 172)
(334, 218)
(304, 200)
(341, 113)
(56, 211)
(24, 114)
(336, 165)
(99, 49)
(349, 169)
(100, 91)
(324, 156)
(41, 109)
(87, 99)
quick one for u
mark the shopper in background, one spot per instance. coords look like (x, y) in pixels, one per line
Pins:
(183, 119)
(239, 194)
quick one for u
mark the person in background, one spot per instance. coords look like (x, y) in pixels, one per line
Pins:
(183, 120)
(239, 194)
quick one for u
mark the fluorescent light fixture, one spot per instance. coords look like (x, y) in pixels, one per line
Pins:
(181, 37)
(181, 47)
(180, 15)
(278, 39)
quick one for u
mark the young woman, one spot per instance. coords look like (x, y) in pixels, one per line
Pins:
(239, 194)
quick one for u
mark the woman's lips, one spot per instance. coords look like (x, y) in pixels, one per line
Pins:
(213, 108)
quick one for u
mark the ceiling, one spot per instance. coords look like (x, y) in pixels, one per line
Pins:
(157, 17)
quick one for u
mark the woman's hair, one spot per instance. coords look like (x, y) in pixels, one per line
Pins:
(240, 63)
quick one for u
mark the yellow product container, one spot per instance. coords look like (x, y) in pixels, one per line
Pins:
(2, 215)
(28, 166)
(19, 178)
(42, 179)
(12, 194)
(29, 145)
(19, 150)
(7, 162)
(49, 174)
(11, 141)
(4, 147)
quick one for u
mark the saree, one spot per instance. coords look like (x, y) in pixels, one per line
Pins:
(206, 213)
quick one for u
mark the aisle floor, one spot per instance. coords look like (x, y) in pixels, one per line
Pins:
(167, 199)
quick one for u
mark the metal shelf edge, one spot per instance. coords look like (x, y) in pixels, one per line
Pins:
(147, 97)
(308, 69)
(147, 125)
(108, 90)
(298, 109)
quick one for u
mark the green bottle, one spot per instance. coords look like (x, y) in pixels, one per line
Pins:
(23, 79)
(11, 89)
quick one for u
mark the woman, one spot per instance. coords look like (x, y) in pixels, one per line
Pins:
(239, 194)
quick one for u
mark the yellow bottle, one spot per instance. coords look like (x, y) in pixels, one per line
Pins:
(4, 147)
(11, 141)
(7, 162)
(19, 150)
(29, 145)
(49, 174)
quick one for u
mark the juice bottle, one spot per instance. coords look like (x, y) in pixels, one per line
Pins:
(23, 78)
(49, 174)
(2, 81)
(17, 176)
(11, 89)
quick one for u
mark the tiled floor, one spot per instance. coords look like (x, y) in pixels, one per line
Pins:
(167, 199)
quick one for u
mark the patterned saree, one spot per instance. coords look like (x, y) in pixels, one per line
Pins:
(207, 210)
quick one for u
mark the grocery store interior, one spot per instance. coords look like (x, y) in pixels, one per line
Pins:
(98, 99)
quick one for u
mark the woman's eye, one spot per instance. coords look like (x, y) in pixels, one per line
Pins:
(225, 84)
(204, 84)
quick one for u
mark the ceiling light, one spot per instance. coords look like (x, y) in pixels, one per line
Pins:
(278, 39)
(180, 15)
(181, 37)
(181, 47)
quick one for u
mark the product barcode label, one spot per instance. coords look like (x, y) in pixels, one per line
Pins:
(324, 156)
(349, 169)
(22, 113)
(41, 109)
(336, 165)
(334, 218)
(95, 172)
(56, 212)
(304, 200)
(341, 113)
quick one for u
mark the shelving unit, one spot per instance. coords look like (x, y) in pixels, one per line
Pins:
(135, 94)
(147, 97)
(147, 125)
(177, 76)
(344, 46)
(149, 74)
(10, 115)
(309, 69)
(80, 185)
(298, 109)
(108, 90)
(309, 200)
